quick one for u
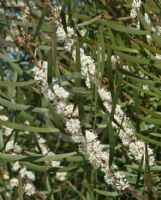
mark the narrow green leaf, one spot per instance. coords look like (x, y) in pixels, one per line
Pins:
(150, 120)
(35, 167)
(102, 49)
(134, 59)
(29, 128)
(141, 90)
(17, 84)
(111, 141)
(120, 28)
(40, 23)
(152, 141)
(91, 21)
(109, 70)
(105, 193)
(140, 170)
(148, 175)
(20, 188)
(36, 158)
(79, 98)
(15, 106)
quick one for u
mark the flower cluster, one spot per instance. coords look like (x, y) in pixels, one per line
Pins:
(67, 39)
(99, 158)
(40, 72)
(87, 66)
(136, 148)
(74, 128)
(136, 4)
(67, 110)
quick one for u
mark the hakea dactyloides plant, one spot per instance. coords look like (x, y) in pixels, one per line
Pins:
(88, 142)
(89, 145)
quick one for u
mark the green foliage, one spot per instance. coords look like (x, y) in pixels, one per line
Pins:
(109, 31)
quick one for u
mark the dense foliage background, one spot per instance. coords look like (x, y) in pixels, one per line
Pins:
(126, 52)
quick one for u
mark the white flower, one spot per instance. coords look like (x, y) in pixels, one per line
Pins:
(88, 64)
(105, 95)
(16, 166)
(42, 145)
(29, 189)
(146, 16)
(27, 123)
(149, 39)
(121, 182)
(27, 174)
(67, 110)
(17, 148)
(40, 72)
(53, 163)
(124, 137)
(41, 140)
(61, 176)
(158, 56)
(145, 87)
(30, 175)
(3, 118)
(115, 59)
(158, 30)
(68, 45)
(135, 6)
(90, 136)
(7, 131)
(44, 149)
(74, 128)
(12, 146)
(88, 67)
(83, 32)
(6, 176)
(138, 25)
(125, 67)
(9, 38)
(70, 31)
(13, 183)
(61, 35)
(8, 195)
(49, 94)
(60, 92)
(23, 172)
